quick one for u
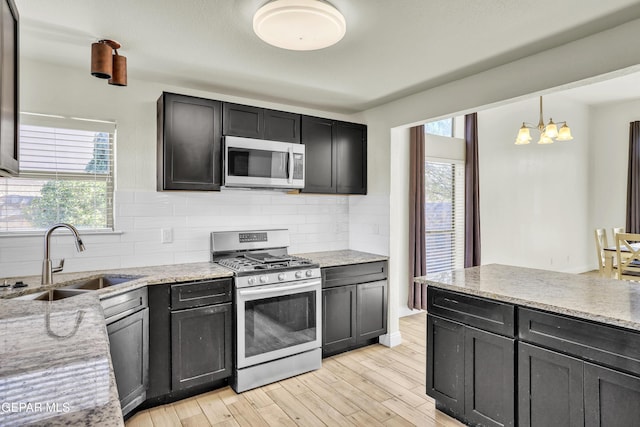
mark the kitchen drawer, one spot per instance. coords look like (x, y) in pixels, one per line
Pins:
(488, 315)
(608, 345)
(197, 294)
(119, 306)
(354, 273)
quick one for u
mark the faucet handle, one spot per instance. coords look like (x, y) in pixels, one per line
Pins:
(59, 267)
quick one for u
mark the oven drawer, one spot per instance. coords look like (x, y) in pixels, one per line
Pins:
(354, 273)
(198, 294)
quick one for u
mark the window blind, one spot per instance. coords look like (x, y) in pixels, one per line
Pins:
(444, 215)
(66, 175)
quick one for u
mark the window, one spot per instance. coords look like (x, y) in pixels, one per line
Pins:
(66, 175)
(444, 211)
(442, 127)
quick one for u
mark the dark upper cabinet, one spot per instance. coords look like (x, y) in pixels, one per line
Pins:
(9, 111)
(261, 123)
(336, 156)
(189, 143)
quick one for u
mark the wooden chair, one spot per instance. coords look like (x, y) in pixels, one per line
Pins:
(601, 243)
(628, 256)
(617, 230)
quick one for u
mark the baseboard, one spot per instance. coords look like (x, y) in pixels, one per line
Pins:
(391, 340)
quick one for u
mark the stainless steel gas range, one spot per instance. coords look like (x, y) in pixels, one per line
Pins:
(277, 306)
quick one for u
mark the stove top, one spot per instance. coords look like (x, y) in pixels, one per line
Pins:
(256, 263)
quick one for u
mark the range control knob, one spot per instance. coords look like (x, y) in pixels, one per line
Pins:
(281, 277)
(298, 274)
(264, 279)
(251, 280)
(309, 273)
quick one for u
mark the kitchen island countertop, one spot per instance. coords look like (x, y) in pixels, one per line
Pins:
(608, 301)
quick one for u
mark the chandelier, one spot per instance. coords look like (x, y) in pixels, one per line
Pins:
(547, 133)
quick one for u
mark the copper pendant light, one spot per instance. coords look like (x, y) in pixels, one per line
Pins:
(119, 76)
(104, 65)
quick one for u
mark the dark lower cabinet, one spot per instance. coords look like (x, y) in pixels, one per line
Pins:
(353, 314)
(338, 319)
(129, 341)
(549, 388)
(611, 398)
(201, 351)
(189, 143)
(470, 372)
(190, 339)
(127, 320)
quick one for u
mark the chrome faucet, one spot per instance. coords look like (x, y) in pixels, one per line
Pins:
(47, 269)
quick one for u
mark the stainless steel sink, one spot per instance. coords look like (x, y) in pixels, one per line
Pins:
(100, 282)
(52, 294)
(78, 287)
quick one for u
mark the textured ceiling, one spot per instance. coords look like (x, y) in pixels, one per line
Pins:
(392, 47)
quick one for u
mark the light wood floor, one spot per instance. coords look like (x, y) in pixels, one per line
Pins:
(372, 386)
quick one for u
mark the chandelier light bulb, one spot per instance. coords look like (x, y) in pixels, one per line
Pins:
(565, 133)
(551, 130)
(524, 136)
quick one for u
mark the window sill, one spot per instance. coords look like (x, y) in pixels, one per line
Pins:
(40, 233)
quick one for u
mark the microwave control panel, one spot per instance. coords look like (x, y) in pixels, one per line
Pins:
(298, 166)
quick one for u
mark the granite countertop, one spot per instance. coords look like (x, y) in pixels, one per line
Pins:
(613, 302)
(342, 257)
(55, 367)
(55, 355)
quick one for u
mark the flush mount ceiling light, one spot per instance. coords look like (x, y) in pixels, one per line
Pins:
(299, 24)
(547, 133)
(104, 65)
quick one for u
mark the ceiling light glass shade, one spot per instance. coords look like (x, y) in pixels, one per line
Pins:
(524, 136)
(565, 133)
(544, 139)
(551, 130)
(299, 24)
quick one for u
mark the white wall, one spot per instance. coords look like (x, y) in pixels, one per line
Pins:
(609, 128)
(534, 199)
(541, 73)
(316, 222)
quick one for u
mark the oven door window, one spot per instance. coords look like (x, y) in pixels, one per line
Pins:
(257, 163)
(281, 322)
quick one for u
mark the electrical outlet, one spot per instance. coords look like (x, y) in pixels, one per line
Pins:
(166, 235)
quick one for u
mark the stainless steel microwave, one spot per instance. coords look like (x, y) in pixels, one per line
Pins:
(258, 163)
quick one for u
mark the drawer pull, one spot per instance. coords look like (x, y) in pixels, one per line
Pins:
(452, 301)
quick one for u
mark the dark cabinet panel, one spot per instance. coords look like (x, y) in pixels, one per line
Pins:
(9, 110)
(611, 398)
(549, 388)
(261, 123)
(336, 156)
(371, 310)
(489, 378)
(129, 343)
(243, 120)
(445, 363)
(200, 343)
(351, 158)
(317, 136)
(282, 126)
(338, 319)
(189, 143)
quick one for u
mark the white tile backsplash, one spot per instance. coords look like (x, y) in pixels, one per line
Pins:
(315, 223)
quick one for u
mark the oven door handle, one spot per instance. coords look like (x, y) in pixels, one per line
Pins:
(271, 290)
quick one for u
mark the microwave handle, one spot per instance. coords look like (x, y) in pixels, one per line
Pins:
(290, 177)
